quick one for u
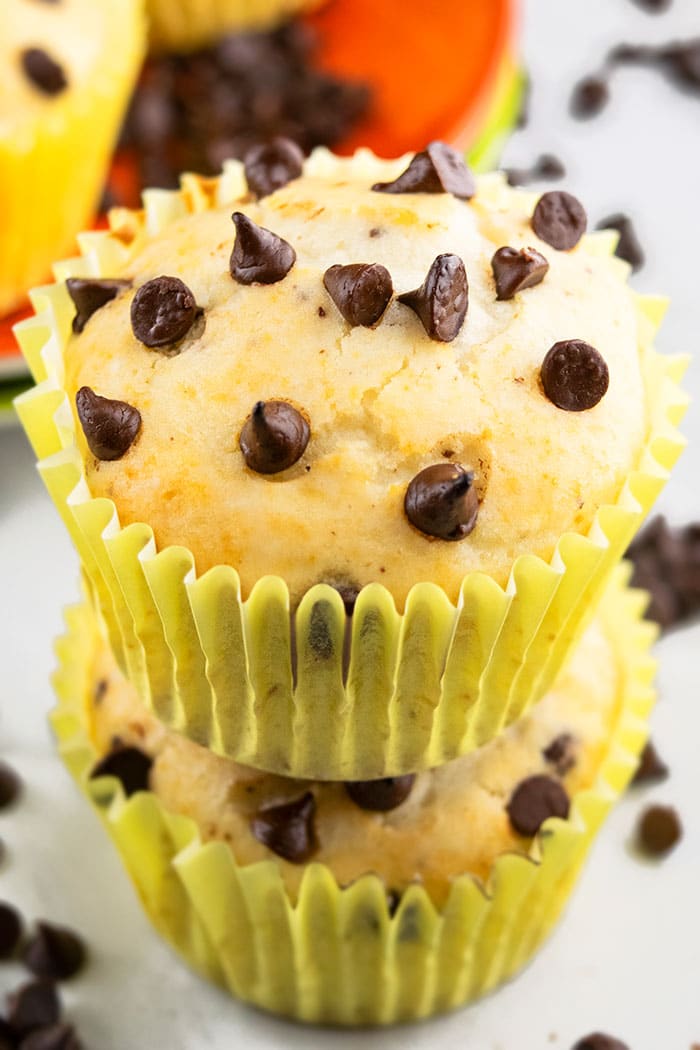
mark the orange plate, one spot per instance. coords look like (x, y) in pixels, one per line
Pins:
(432, 75)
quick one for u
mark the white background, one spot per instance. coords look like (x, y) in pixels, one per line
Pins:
(626, 958)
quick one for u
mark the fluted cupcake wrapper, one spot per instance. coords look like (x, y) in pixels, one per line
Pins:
(189, 24)
(338, 954)
(53, 167)
(383, 694)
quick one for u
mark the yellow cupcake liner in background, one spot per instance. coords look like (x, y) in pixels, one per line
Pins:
(337, 955)
(53, 168)
(184, 25)
(422, 686)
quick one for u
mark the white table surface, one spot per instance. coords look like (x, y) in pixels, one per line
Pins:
(626, 958)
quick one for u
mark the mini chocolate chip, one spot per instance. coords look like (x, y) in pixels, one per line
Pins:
(259, 256)
(361, 291)
(348, 592)
(441, 501)
(110, 427)
(535, 800)
(561, 753)
(89, 295)
(10, 930)
(8, 1037)
(271, 165)
(274, 437)
(659, 830)
(288, 830)
(654, 7)
(515, 270)
(437, 169)
(54, 952)
(43, 71)
(10, 785)
(651, 767)
(162, 312)
(129, 765)
(379, 796)
(590, 97)
(547, 166)
(34, 1005)
(628, 246)
(441, 301)
(598, 1041)
(574, 375)
(559, 219)
(53, 1037)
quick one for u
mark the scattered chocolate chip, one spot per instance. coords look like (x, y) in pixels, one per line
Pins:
(361, 291)
(514, 270)
(10, 785)
(651, 767)
(54, 1037)
(547, 166)
(288, 830)
(54, 952)
(34, 1005)
(659, 830)
(442, 300)
(89, 295)
(441, 501)
(8, 1037)
(110, 427)
(259, 256)
(10, 930)
(379, 796)
(667, 564)
(129, 765)
(43, 71)
(598, 1041)
(192, 111)
(437, 169)
(535, 800)
(590, 97)
(274, 437)
(628, 246)
(559, 219)
(321, 312)
(271, 165)
(162, 312)
(574, 375)
(654, 7)
(376, 231)
(561, 753)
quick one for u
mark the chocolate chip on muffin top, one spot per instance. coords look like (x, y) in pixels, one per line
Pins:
(437, 169)
(442, 300)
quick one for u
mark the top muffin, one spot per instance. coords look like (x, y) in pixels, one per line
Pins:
(380, 371)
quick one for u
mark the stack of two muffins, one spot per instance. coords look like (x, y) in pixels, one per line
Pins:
(357, 676)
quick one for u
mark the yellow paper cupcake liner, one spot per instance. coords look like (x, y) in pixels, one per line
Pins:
(53, 168)
(422, 686)
(184, 25)
(337, 955)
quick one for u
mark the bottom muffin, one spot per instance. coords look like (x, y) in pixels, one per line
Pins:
(371, 902)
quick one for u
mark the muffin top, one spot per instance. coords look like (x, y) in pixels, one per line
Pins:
(379, 371)
(48, 48)
(429, 828)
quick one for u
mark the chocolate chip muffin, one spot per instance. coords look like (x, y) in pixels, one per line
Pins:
(68, 70)
(349, 449)
(379, 372)
(361, 903)
(456, 818)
